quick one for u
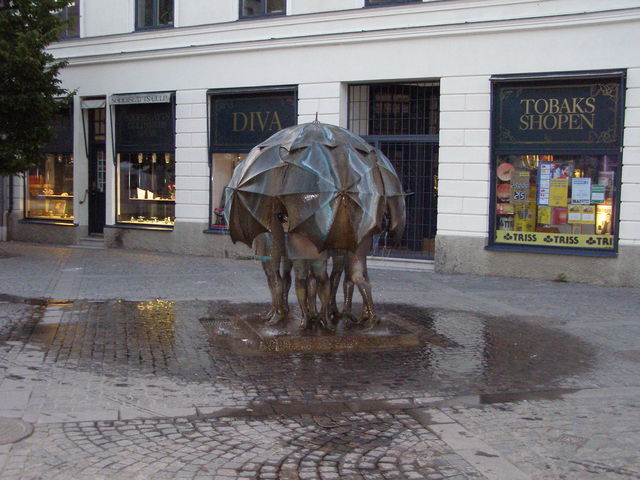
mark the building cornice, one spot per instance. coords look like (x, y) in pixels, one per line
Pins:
(344, 37)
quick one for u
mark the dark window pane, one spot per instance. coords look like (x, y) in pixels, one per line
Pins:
(72, 12)
(251, 8)
(165, 12)
(275, 6)
(155, 13)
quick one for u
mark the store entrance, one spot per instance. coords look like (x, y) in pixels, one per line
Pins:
(97, 170)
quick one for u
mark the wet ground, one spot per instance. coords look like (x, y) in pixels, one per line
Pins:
(173, 388)
(458, 353)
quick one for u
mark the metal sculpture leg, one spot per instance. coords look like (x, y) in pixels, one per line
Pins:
(269, 247)
(302, 270)
(319, 270)
(357, 269)
(337, 269)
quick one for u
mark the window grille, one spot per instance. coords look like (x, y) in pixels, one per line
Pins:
(401, 119)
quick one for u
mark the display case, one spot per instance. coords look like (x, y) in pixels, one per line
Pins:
(146, 188)
(49, 189)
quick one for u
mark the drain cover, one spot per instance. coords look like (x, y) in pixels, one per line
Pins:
(12, 430)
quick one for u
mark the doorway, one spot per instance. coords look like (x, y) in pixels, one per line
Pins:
(97, 170)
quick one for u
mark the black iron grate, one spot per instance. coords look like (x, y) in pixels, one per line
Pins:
(401, 119)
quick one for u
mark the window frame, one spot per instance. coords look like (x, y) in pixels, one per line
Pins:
(498, 81)
(261, 15)
(388, 3)
(155, 14)
(118, 148)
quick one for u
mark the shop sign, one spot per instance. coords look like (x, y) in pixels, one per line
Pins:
(145, 128)
(239, 122)
(570, 115)
(137, 98)
(555, 239)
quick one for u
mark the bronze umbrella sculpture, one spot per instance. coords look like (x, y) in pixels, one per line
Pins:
(333, 188)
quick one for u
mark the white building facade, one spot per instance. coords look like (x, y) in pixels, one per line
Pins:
(514, 124)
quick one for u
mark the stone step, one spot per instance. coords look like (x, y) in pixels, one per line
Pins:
(91, 241)
(405, 264)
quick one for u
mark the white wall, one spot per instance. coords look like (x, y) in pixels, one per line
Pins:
(463, 166)
(630, 194)
(107, 17)
(192, 168)
(202, 12)
(297, 7)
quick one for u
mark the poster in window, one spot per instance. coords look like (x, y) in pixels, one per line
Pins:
(581, 191)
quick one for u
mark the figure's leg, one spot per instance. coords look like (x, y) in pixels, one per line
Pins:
(348, 289)
(360, 277)
(301, 270)
(276, 314)
(337, 270)
(319, 268)
(312, 290)
(276, 252)
(286, 282)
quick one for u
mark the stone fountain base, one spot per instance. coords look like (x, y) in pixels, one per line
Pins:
(242, 326)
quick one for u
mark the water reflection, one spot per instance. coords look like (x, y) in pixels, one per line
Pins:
(458, 352)
(157, 319)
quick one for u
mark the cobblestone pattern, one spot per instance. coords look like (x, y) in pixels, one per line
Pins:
(17, 321)
(463, 353)
(591, 435)
(348, 446)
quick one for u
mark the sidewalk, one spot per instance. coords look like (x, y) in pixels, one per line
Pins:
(122, 377)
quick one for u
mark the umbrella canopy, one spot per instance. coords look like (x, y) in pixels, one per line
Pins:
(333, 186)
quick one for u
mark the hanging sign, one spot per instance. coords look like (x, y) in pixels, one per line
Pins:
(547, 113)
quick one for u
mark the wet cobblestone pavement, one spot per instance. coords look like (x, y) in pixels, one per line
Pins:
(155, 389)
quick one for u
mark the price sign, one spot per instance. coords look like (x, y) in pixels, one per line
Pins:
(520, 186)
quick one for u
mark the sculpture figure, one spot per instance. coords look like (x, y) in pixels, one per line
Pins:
(335, 191)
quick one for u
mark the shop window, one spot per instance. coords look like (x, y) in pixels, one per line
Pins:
(49, 184)
(556, 171)
(372, 3)
(72, 15)
(50, 188)
(154, 13)
(240, 120)
(145, 160)
(261, 8)
(146, 188)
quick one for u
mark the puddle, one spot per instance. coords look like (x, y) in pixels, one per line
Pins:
(459, 353)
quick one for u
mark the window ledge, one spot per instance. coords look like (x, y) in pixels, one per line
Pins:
(153, 27)
(39, 221)
(552, 250)
(217, 231)
(157, 228)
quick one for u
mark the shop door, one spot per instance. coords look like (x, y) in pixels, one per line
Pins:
(417, 166)
(97, 170)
